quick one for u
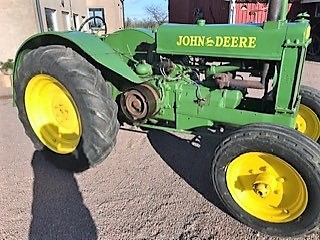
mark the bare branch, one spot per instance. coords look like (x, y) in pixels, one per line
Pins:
(156, 13)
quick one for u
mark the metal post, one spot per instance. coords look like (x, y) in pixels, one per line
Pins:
(232, 12)
(39, 14)
(123, 16)
(73, 24)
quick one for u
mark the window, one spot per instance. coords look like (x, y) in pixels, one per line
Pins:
(66, 21)
(51, 19)
(96, 12)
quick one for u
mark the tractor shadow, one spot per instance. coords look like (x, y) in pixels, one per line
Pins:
(58, 210)
(190, 159)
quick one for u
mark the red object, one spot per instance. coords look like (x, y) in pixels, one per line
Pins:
(217, 11)
(251, 12)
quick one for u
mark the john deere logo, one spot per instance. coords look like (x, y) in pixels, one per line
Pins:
(218, 41)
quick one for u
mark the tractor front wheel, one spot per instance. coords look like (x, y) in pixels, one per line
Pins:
(308, 119)
(66, 108)
(268, 177)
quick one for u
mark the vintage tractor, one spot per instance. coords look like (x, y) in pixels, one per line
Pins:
(73, 89)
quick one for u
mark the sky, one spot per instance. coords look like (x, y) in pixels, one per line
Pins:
(136, 8)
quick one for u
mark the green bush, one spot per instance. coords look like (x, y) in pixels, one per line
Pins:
(7, 66)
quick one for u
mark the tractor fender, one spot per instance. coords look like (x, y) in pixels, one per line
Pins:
(91, 47)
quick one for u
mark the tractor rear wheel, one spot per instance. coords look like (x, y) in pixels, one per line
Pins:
(66, 108)
(308, 120)
(268, 177)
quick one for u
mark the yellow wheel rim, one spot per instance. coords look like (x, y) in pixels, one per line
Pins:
(52, 114)
(308, 123)
(267, 187)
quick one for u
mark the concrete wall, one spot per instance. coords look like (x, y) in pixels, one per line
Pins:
(17, 22)
(113, 11)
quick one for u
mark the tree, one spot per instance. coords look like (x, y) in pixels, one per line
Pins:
(157, 14)
(144, 23)
(128, 23)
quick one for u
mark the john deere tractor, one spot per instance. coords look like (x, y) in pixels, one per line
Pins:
(74, 89)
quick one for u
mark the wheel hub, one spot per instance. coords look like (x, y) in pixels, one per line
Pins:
(264, 184)
(262, 190)
(61, 112)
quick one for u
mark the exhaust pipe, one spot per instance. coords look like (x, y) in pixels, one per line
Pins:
(277, 10)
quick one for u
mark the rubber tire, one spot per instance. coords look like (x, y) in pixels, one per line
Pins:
(310, 97)
(92, 96)
(301, 152)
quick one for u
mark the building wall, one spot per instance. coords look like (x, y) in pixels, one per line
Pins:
(75, 10)
(113, 11)
(17, 23)
(19, 19)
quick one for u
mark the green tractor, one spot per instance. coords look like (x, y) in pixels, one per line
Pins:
(74, 89)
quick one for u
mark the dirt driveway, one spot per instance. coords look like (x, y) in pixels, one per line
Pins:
(152, 186)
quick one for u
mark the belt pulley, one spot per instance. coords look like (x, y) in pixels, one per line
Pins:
(139, 103)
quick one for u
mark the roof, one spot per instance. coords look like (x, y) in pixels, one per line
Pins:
(266, 1)
(310, 1)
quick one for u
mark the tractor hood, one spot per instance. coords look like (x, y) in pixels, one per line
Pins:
(250, 41)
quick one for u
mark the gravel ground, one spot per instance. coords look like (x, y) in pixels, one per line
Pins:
(152, 186)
